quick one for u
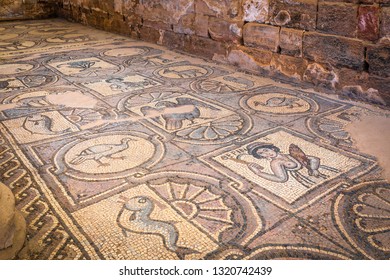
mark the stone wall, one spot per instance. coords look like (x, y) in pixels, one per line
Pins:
(338, 46)
(27, 9)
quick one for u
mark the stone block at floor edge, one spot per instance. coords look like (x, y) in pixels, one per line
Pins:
(292, 67)
(223, 30)
(201, 25)
(173, 40)
(149, 34)
(190, 24)
(291, 41)
(322, 76)
(261, 36)
(204, 47)
(336, 50)
(251, 59)
(337, 18)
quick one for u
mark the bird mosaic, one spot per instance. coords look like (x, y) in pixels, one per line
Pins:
(175, 120)
(98, 152)
(141, 222)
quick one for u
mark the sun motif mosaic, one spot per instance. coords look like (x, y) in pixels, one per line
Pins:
(120, 149)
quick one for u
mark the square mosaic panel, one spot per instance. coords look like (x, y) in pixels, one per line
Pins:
(187, 112)
(117, 85)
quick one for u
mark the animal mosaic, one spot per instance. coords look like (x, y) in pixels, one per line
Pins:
(208, 162)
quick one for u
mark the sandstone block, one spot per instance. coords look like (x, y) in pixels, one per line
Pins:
(385, 23)
(293, 67)
(173, 40)
(157, 24)
(222, 9)
(226, 31)
(255, 10)
(250, 59)
(291, 41)
(149, 34)
(339, 19)
(168, 12)
(374, 89)
(204, 47)
(321, 76)
(294, 13)
(202, 8)
(201, 25)
(261, 36)
(368, 23)
(185, 24)
(339, 51)
(378, 58)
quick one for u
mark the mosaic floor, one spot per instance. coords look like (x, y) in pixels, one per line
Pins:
(119, 149)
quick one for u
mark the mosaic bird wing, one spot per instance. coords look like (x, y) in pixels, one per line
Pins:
(95, 152)
(299, 155)
(99, 149)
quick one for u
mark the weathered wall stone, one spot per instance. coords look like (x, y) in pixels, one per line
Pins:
(368, 25)
(293, 67)
(224, 30)
(337, 18)
(250, 59)
(338, 51)
(385, 22)
(331, 44)
(321, 76)
(186, 25)
(256, 10)
(28, 9)
(300, 14)
(261, 36)
(168, 12)
(378, 58)
(290, 42)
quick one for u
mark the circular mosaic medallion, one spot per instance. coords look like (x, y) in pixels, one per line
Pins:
(109, 154)
(183, 72)
(50, 31)
(278, 103)
(121, 52)
(68, 38)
